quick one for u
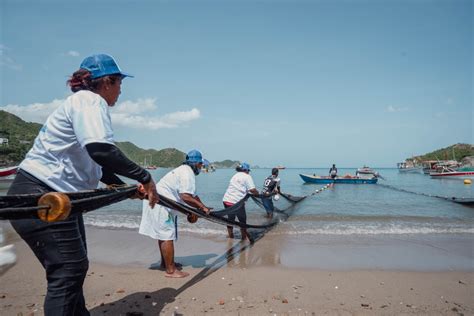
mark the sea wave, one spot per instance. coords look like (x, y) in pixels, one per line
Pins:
(294, 228)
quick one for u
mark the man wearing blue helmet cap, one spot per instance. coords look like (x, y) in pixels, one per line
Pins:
(161, 223)
(74, 151)
(240, 185)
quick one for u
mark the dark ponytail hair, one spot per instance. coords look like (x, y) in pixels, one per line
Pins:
(81, 80)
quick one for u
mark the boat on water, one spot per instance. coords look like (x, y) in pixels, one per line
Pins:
(348, 179)
(433, 165)
(7, 175)
(408, 167)
(451, 173)
(367, 171)
(280, 167)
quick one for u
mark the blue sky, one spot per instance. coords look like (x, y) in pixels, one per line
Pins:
(296, 83)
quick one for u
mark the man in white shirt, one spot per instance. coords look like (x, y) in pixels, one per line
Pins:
(161, 222)
(240, 184)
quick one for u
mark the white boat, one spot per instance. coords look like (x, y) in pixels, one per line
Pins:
(450, 173)
(7, 175)
(433, 165)
(365, 172)
(408, 167)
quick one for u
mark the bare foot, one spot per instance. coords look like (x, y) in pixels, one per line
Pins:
(176, 274)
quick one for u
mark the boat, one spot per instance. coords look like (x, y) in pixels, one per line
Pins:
(433, 165)
(408, 167)
(367, 171)
(280, 167)
(451, 173)
(349, 179)
(7, 175)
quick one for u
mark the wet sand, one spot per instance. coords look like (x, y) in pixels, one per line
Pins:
(335, 275)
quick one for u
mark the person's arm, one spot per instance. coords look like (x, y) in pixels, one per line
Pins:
(194, 201)
(254, 192)
(110, 178)
(112, 160)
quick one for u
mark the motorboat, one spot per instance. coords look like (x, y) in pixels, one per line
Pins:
(433, 165)
(408, 167)
(348, 179)
(451, 173)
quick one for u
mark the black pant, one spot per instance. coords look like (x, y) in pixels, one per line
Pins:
(61, 249)
(241, 215)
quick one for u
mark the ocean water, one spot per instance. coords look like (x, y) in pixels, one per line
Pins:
(343, 210)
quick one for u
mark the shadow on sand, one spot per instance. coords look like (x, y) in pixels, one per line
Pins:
(152, 303)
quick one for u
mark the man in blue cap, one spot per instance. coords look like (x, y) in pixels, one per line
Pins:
(240, 185)
(161, 223)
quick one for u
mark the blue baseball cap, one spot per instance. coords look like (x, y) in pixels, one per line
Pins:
(101, 65)
(245, 166)
(194, 156)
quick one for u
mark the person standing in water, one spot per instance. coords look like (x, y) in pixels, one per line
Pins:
(271, 186)
(240, 185)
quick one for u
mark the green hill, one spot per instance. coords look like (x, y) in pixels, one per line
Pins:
(20, 135)
(226, 164)
(456, 152)
(168, 157)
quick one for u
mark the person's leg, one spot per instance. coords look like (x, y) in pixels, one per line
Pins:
(242, 216)
(60, 248)
(230, 229)
(178, 265)
(268, 205)
(167, 251)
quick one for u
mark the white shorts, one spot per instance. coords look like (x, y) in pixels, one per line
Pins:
(159, 223)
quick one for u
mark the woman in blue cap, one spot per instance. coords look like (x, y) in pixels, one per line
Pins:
(74, 151)
(162, 223)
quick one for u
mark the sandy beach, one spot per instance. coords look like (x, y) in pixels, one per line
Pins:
(232, 278)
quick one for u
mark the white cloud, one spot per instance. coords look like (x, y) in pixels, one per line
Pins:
(6, 60)
(126, 114)
(36, 112)
(73, 53)
(141, 106)
(139, 115)
(393, 109)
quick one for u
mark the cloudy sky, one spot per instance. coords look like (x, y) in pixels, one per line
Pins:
(296, 83)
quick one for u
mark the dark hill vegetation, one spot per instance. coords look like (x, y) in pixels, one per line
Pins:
(456, 152)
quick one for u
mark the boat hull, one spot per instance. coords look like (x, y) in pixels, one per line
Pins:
(409, 170)
(452, 175)
(318, 179)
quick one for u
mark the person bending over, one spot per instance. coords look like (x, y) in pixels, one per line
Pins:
(240, 184)
(162, 223)
(271, 186)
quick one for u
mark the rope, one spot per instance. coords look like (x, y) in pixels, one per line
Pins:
(452, 199)
(19, 206)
